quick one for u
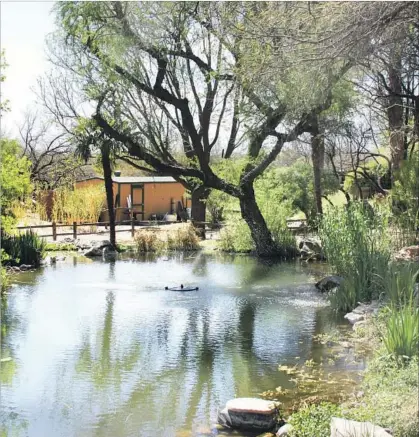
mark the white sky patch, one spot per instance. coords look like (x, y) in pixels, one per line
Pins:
(24, 27)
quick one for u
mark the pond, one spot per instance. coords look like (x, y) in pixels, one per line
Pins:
(97, 348)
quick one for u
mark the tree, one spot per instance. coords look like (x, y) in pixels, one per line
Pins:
(89, 139)
(14, 181)
(51, 154)
(122, 45)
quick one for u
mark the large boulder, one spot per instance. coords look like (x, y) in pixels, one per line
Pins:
(329, 283)
(350, 428)
(249, 414)
(310, 249)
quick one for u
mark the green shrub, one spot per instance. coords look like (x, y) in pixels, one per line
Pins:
(26, 248)
(235, 237)
(4, 276)
(405, 193)
(314, 420)
(184, 238)
(147, 241)
(356, 244)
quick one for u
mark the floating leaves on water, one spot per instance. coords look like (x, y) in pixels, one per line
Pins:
(288, 370)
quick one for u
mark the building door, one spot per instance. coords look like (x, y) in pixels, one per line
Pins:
(137, 199)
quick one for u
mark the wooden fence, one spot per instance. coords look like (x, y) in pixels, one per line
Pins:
(133, 224)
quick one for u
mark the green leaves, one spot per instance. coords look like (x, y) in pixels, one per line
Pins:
(14, 180)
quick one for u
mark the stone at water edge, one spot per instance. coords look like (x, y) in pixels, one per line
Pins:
(353, 318)
(328, 283)
(350, 428)
(249, 413)
(285, 430)
(93, 251)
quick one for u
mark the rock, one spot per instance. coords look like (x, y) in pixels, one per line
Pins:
(410, 253)
(68, 240)
(359, 325)
(310, 249)
(109, 252)
(354, 318)
(329, 283)
(285, 430)
(93, 251)
(249, 413)
(97, 247)
(350, 428)
(25, 267)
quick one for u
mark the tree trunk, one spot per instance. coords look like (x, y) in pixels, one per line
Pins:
(317, 158)
(261, 235)
(395, 113)
(107, 173)
(199, 208)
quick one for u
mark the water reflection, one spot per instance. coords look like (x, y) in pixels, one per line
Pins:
(109, 352)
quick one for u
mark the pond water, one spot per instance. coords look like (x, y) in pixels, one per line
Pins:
(99, 348)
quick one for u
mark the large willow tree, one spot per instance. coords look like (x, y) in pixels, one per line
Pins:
(179, 84)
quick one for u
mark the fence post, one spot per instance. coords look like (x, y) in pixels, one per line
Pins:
(132, 225)
(54, 231)
(75, 230)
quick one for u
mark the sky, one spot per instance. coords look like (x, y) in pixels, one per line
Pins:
(24, 27)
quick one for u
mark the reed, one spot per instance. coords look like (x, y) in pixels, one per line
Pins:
(356, 244)
(27, 248)
(81, 205)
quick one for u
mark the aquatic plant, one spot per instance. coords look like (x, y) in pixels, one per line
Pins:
(27, 248)
(402, 332)
(356, 244)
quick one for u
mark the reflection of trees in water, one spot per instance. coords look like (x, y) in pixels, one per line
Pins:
(192, 374)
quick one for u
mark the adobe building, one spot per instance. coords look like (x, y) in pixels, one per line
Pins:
(147, 197)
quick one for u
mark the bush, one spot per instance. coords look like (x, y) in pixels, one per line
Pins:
(147, 241)
(26, 248)
(405, 193)
(4, 276)
(356, 244)
(314, 420)
(235, 237)
(184, 238)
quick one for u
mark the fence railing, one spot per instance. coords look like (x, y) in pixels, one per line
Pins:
(75, 225)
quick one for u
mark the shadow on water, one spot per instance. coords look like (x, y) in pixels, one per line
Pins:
(108, 352)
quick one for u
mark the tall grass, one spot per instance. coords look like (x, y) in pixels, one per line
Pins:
(401, 332)
(401, 335)
(147, 241)
(356, 244)
(80, 205)
(26, 248)
(184, 238)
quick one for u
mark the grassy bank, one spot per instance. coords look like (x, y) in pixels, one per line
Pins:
(388, 395)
